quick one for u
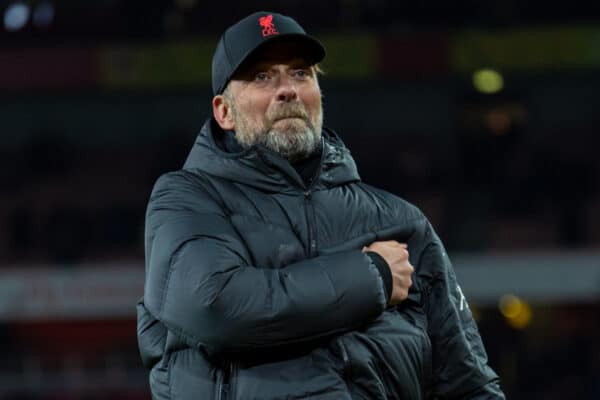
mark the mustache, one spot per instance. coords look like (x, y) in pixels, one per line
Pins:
(293, 110)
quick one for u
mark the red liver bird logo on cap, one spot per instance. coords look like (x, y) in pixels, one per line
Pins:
(267, 25)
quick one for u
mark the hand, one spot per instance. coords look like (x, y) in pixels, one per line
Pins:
(396, 255)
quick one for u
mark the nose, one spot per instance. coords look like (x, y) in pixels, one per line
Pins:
(286, 91)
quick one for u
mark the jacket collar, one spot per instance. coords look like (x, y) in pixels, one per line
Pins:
(262, 168)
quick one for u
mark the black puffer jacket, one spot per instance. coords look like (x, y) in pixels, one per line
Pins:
(256, 287)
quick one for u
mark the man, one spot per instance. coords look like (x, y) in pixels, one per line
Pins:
(273, 272)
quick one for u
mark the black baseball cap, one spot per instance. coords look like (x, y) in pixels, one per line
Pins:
(245, 37)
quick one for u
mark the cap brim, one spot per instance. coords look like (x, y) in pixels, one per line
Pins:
(309, 48)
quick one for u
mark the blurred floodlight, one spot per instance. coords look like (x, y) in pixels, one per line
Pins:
(516, 311)
(16, 16)
(488, 81)
(43, 15)
(510, 305)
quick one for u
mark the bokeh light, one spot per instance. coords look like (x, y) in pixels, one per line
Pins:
(488, 81)
(16, 16)
(516, 311)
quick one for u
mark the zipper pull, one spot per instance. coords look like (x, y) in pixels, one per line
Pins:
(225, 391)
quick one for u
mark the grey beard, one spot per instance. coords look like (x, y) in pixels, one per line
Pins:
(294, 144)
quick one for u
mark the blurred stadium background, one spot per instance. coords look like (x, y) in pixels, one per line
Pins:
(484, 114)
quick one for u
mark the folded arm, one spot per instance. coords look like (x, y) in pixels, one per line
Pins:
(201, 285)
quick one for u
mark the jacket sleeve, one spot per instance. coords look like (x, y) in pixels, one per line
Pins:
(201, 286)
(460, 366)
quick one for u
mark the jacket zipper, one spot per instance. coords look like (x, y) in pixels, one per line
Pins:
(310, 212)
(312, 242)
(345, 358)
(226, 387)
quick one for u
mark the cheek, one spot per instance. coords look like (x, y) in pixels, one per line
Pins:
(312, 100)
(254, 108)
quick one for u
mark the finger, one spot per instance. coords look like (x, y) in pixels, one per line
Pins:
(403, 295)
(393, 243)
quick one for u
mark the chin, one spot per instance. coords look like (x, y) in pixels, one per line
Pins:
(292, 126)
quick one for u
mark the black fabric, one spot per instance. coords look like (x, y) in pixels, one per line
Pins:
(386, 274)
(306, 167)
(230, 143)
(257, 287)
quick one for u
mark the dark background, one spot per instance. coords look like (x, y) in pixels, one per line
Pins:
(97, 99)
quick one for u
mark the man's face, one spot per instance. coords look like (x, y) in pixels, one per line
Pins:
(276, 101)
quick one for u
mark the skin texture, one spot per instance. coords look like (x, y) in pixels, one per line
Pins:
(275, 100)
(396, 255)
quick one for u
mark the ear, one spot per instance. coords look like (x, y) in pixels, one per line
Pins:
(223, 113)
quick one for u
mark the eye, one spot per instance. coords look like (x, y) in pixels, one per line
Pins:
(261, 76)
(301, 73)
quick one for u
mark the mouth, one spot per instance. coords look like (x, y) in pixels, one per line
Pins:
(289, 117)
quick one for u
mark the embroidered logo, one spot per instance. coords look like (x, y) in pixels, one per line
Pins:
(463, 299)
(268, 28)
